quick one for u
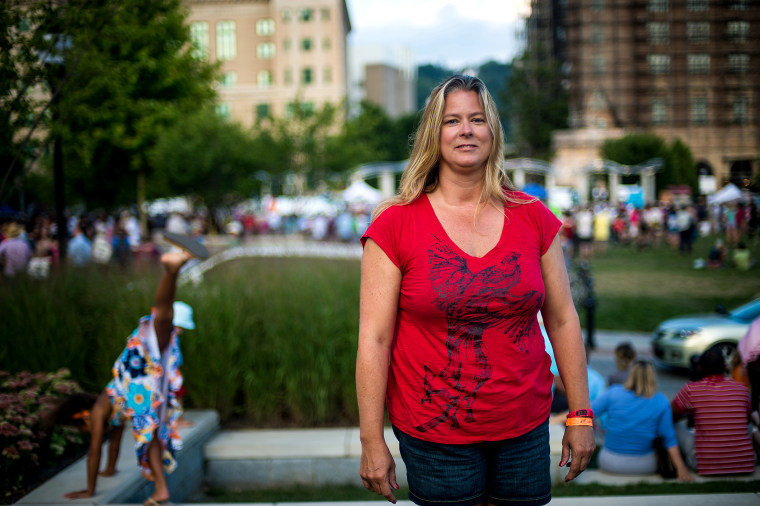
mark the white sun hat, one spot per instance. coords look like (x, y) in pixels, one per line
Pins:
(183, 316)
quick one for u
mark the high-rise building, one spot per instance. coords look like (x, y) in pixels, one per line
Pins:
(385, 76)
(687, 69)
(273, 53)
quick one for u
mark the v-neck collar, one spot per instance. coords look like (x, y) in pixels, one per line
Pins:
(441, 228)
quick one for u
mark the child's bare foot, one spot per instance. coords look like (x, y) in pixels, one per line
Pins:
(107, 472)
(182, 422)
(173, 260)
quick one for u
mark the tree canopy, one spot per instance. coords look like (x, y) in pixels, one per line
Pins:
(636, 148)
(123, 73)
(537, 104)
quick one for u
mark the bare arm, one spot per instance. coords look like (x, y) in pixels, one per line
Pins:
(167, 286)
(675, 457)
(380, 285)
(98, 416)
(564, 330)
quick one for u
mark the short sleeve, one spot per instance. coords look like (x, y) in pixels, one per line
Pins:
(682, 400)
(385, 231)
(548, 224)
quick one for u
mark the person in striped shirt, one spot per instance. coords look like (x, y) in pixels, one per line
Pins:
(720, 442)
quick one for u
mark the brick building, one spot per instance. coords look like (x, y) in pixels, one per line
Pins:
(687, 69)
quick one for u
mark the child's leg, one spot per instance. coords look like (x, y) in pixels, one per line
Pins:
(114, 445)
(161, 490)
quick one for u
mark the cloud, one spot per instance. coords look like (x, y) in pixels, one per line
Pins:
(441, 31)
(452, 42)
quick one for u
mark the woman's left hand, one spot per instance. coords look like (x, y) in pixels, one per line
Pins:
(578, 446)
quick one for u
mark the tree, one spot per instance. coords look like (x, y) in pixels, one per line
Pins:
(22, 41)
(537, 105)
(136, 77)
(636, 148)
(206, 156)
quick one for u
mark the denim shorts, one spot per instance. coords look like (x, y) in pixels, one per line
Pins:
(512, 471)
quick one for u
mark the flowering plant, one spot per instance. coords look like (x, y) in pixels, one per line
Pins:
(26, 444)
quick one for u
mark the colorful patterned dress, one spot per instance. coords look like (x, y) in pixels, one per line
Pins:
(138, 392)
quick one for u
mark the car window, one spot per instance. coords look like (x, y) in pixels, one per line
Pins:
(747, 312)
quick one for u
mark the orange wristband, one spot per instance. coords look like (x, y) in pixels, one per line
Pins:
(579, 421)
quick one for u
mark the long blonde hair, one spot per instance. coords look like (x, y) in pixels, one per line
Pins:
(421, 174)
(642, 379)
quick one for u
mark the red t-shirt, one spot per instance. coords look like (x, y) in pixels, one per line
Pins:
(468, 362)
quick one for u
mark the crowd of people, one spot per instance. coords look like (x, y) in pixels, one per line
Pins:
(588, 229)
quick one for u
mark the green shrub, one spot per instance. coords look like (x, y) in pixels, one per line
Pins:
(27, 444)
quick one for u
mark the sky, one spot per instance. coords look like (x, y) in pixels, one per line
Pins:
(454, 34)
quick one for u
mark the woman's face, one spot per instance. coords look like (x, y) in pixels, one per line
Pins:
(465, 137)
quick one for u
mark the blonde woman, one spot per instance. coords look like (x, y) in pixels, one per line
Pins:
(636, 415)
(454, 271)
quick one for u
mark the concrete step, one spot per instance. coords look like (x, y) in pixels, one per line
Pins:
(128, 485)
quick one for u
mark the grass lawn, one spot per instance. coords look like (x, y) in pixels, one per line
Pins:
(635, 290)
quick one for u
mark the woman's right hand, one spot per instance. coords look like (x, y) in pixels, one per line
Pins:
(378, 470)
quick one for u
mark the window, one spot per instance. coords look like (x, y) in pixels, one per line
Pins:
(306, 44)
(327, 75)
(199, 39)
(699, 110)
(326, 43)
(737, 31)
(599, 64)
(325, 14)
(659, 32)
(288, 76)
(659, 111)
(265, 50)
(223, 110)
(265, 27)
(697, 5)
(225, 40)
(740, 109)
(305, 15)
(658, 6)
(738, 5)
(306, 108)
(287, 15)
(698, 63)
(264, 79)
(306, 76)
(659, 63)
(228, 80)
(597, 5)
(262, 111)
(597, 34)
(738, 63)
(698, 32)
(286, 45)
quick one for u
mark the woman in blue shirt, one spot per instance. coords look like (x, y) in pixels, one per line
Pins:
(636, 415)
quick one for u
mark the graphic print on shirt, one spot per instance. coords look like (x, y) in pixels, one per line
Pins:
(473, 302)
